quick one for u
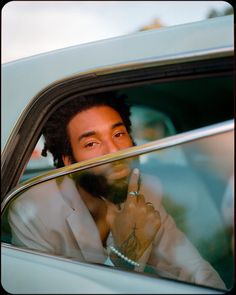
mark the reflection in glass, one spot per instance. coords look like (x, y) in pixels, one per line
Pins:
(176, 227)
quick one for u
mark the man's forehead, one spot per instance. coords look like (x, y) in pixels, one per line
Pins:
(95, 120)
(97, 131)
(91, 113)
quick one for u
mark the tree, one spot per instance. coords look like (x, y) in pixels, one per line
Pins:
(215, 13)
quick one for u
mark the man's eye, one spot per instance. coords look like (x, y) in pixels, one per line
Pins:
(119, 134)
(90, 144)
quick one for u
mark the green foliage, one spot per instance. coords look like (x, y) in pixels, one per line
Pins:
(176, 211)
(216, 13)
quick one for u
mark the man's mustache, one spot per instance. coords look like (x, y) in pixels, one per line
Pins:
(110, 181)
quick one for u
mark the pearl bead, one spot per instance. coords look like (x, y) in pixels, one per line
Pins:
(123, 256)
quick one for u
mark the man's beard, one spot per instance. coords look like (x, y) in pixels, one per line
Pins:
(99, 187)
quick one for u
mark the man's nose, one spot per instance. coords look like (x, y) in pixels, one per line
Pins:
(111, 147)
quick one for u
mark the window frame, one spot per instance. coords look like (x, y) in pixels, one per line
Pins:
(28, 129)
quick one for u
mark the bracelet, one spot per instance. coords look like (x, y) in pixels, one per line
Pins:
(113, 249)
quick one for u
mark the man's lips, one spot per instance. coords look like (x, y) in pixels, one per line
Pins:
(117, 172)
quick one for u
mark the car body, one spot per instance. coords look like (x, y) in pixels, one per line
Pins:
(181, 76)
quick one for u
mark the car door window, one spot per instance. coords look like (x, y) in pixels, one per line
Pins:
(159, 110)
(194, 241)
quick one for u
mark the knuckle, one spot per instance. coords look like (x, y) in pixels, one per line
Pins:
(131, 206)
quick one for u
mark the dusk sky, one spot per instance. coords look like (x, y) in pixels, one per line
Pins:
(32, 27)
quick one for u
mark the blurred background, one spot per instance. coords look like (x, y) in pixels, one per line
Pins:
(33, 27)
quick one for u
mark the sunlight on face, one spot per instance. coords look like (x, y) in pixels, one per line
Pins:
(97, 131)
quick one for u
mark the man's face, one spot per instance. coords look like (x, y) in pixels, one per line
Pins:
(96, 132)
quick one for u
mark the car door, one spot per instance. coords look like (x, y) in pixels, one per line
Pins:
(193, 193)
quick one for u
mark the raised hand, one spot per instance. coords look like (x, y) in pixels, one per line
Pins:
(134, 226)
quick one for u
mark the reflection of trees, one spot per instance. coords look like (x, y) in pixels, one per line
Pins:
(177, 211)
(215, 13)
(216, 249)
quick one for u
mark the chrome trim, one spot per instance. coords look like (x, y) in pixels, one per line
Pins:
(130, 152)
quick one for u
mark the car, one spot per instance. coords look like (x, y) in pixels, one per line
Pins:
(180, 83)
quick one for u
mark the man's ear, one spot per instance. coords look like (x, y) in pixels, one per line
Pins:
(66, 160)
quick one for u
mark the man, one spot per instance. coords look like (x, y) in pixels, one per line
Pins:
(108, 211)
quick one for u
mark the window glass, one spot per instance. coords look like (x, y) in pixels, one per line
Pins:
(149, 124)
(84, 214)
(37, 163)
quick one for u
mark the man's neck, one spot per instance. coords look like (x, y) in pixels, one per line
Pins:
(98, 209)
(95, 205)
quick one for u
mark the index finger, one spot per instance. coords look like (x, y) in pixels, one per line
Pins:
(133, 183)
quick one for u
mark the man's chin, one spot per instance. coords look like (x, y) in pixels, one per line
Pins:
(114, 191)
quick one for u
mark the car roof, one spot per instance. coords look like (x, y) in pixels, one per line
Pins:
(23, 79)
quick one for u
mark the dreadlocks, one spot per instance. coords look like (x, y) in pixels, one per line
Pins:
(57, 141)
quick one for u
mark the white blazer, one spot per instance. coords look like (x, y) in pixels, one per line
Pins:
(52, 217)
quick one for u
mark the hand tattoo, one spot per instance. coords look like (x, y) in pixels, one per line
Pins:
(131, 245)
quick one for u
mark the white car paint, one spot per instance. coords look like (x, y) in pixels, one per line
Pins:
(53, 275)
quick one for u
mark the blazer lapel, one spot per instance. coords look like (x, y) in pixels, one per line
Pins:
(82, 224)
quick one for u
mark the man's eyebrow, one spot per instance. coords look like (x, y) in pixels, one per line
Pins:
(86, 134)
(117, 125)
(91, 133)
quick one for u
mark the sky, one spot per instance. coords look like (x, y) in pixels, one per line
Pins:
(33, 27)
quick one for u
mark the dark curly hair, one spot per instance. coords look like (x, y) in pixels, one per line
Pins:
(55, 130)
